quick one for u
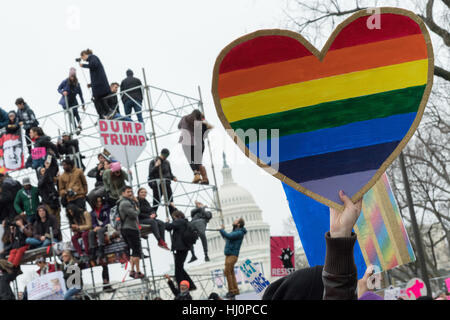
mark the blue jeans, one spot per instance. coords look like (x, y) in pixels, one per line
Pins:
(70, 293)
(36, 243)
(129, 105)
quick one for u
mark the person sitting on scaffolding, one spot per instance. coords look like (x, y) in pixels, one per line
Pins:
(155, 183)
(113, 103)
(99, 82)
(80, 222)
(43, 227)
(27, 119)
(97, 173)
(194, 129)
(100, 220)
(148, 217)
(132, 99)
(113, 181)
(70, 147)
(69, 89)
(47, 151)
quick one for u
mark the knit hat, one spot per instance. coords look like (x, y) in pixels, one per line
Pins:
(115, 166)
(129, 73)
(303, 284)
(26, 181)
(184, 283)
(72, 72)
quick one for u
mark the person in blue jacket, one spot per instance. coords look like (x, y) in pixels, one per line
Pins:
(99, 82)
(232, 247)
(4, 119)
(70, 88)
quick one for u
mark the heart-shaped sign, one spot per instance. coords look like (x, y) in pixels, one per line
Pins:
(329, 120)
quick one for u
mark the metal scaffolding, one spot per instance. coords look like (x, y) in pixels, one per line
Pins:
(161, 111)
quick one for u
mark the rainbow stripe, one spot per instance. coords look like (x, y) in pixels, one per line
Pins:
(381, 234)
(339, 119)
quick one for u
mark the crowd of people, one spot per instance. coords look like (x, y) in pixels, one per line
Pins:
(30, 215)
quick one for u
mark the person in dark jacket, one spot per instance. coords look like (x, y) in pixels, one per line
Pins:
(70, 147)
(9, 189)
(6, 278)
(99, 82)
(199, 219)
(339, 273)
(97, 173)
(112, 99)
(232, 247)
(41, 230)
(40, 140)
(148, 216)
(183, 292)
(26, 118)
(132, 99)
(4, 119)
(129, 212)
(20, 231)
(48, 193)
(70, 88)
(155, 182)
(13, 126)
(100, 220)
(194, 129)
(179, 248)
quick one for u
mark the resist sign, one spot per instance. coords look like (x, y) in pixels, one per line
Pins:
(124, 139)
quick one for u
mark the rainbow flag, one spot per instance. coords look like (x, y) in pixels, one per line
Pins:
(380, 230)
(339, 118)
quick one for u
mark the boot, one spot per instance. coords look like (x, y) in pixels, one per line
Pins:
(204, 175)
(197, 177)
(206, 258)
(193, 259)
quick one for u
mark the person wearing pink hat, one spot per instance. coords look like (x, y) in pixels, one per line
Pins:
(114, 180)
(70, 88)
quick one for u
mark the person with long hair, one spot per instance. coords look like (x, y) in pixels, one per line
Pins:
(194, 128)
(40, 140)
(179, 247)
(81, 223)
(70, 88)
(148, 216)
(99, 82)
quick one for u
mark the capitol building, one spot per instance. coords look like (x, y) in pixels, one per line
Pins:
(235, 202)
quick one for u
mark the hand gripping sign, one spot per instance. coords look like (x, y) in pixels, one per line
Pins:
(125, 140)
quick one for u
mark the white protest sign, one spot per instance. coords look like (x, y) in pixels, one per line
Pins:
(392, 293)
(256, 278)
(125, 140)
(50, 286)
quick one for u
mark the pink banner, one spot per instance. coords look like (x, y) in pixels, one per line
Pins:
(282, 256)
(38, 153)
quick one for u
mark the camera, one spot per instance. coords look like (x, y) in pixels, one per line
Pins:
(78, 59)
(71, 193)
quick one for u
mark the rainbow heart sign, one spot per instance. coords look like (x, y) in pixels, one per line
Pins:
(322, 121)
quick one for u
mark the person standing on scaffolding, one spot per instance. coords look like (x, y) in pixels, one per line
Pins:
(69, 89)
(132, 99)
(99, 82)
(70, 147)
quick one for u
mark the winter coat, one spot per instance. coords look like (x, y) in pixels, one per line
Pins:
(339, 273)
(47, 190)
(71, 148)
(26, 115)
(128, 214)
(51, 149)
(27, 203)
(73, 91)
(113, 185)
(145, 209)
(99, 81)
(233, 241)
(4, 119)
(41, 228)
(128, 83)
(74, 180)
(199, 219)
(10, 188)
(97, 174)
(19, 237)
(177, 293)
(103, 217)
(153, 172)
(6, 292)
(178, 226)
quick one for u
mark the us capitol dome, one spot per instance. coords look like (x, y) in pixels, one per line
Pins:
(236, 202)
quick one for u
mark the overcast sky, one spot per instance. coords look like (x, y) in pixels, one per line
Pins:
(176, 41)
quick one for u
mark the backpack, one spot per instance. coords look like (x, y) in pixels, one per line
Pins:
(190, 235)
(115, 218)
(207, 216)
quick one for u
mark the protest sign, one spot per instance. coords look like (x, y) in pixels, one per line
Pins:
(125, 140)
(415, 288)
(282, 256)
(50, 286)
(13, 152)
(256, 278)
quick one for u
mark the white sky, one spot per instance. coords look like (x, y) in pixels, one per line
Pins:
(176, 41)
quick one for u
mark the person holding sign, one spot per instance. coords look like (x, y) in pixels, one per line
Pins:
(232, 247)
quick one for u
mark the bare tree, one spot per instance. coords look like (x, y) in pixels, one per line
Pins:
(428, 153)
